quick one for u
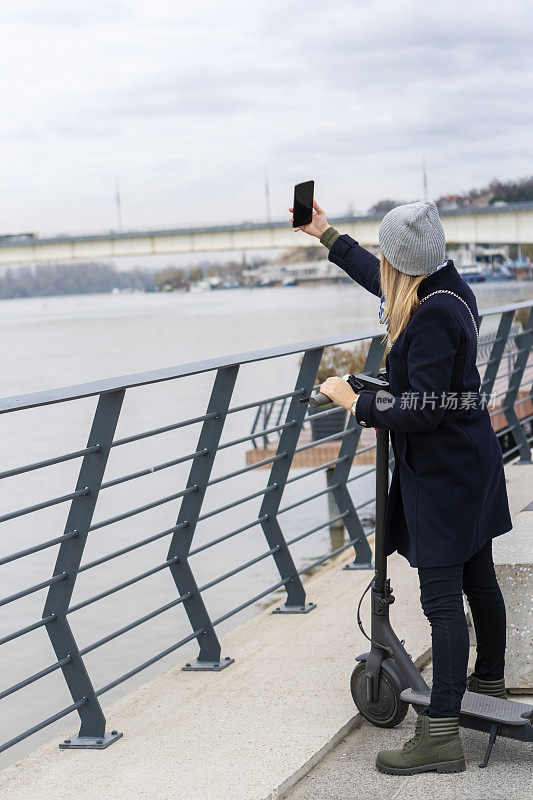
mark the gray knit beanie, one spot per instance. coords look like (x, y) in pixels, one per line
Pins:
(411, 238)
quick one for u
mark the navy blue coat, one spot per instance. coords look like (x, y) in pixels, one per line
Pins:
(447, 496)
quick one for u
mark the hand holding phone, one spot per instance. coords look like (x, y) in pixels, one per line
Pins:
(303, 204)
(307, 214)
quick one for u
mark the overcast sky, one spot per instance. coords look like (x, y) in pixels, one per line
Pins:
(188, 103)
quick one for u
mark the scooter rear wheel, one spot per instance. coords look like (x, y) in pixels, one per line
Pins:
(390, 709)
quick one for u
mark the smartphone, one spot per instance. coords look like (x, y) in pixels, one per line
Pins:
(303, 203)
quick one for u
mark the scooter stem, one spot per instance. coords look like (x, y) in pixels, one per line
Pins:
(382, 490)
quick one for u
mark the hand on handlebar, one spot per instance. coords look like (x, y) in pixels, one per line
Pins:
(339, 391)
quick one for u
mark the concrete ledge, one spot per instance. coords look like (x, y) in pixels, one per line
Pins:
(513, 560)
(519, 487)
(249, 732)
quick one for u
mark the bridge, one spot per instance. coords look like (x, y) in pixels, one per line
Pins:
(243, 713)
(510, 224)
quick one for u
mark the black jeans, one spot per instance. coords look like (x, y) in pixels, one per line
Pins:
(441, 591)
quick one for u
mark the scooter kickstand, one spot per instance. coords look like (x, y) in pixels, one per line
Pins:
(492, 739)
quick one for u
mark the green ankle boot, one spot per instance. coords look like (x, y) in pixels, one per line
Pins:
(435, 747)
(492, 688)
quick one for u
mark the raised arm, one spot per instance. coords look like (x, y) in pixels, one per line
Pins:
(361, 265)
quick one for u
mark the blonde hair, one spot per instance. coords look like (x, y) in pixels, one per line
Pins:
(401, 298)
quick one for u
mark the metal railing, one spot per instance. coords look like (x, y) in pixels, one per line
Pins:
(286, 423)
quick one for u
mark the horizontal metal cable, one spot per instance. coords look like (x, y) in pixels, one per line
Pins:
(253, 600)
(149, 663)
(265, 401)
(46, 504)
(484, 342)
(37, 587)
(38, 675)
(480, 364)
(365, 450)
(43, 724)
(38, 547)
(365, 503)
(8, 473)
(240, 568)
(517, 424)
(318, 527)
(157, 468)
(506, 391)
(341, 435)
(244, 499)
(257, 464)
(361, 475)
(503, 431)
(123, 585)
(111, 636)
(155, 431)
(506, 374)
(529, 439)
(528, 399)
(316, 469)
(514, 371)
(326, 413)
(228, 535)
(494, 395)
(307, 499)
(257, 435)
(28, 629)
(147, 507)
(501, 409)
(134, 546)
(328, 556)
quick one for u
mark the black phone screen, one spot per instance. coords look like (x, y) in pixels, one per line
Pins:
(303, 203)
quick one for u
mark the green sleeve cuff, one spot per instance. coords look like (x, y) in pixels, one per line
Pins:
(329, 237)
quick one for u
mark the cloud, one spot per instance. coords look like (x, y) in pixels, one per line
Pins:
(188, 103)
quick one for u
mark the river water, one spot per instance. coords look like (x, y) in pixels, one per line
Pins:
(58, 341)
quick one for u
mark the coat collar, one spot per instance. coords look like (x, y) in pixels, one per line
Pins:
(438, 280)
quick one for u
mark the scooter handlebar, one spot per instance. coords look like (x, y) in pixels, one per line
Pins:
(318, 400)
(357, 382)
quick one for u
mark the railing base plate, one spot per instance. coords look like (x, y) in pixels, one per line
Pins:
(90, 742)
(305, 609)
(357, 565)
(207, 666)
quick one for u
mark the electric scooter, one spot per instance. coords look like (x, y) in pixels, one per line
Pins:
(386, 681)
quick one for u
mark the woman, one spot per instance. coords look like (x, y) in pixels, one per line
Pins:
(447, 498)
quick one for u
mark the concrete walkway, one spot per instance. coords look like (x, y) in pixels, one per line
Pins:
(252, 731)
(348, 772)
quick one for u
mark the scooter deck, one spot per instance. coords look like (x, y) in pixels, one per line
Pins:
(492, 709)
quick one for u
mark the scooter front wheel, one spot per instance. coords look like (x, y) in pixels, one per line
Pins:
(389, 709)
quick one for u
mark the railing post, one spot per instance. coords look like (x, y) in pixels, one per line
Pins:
(92, 733)
(524, 342)
(295, 602)
(191, 505)
(496, 353)
(348, 450)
